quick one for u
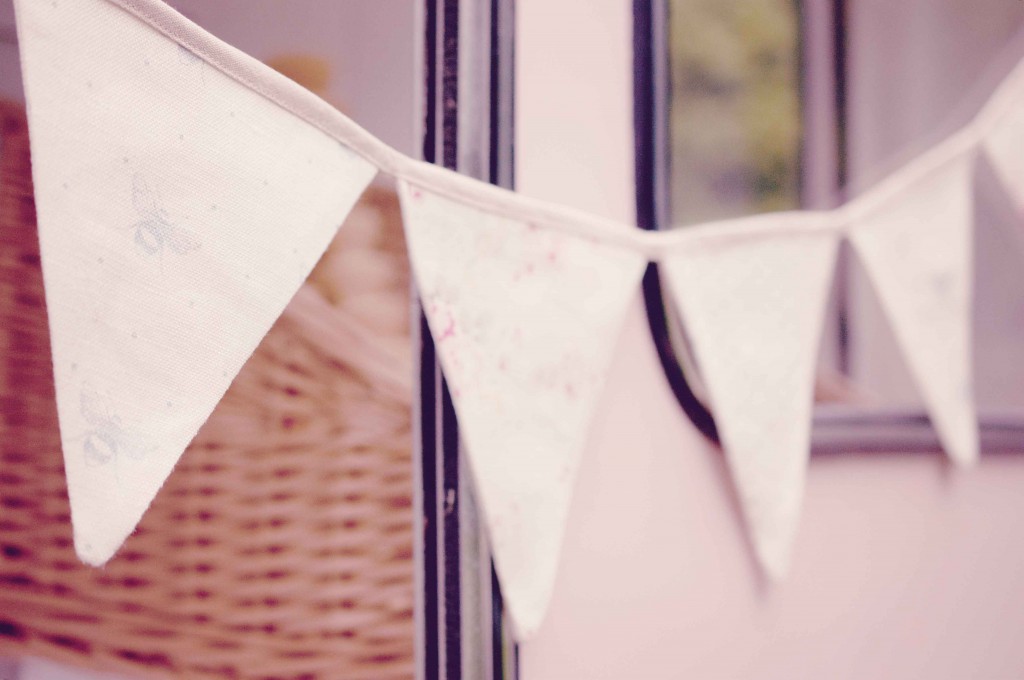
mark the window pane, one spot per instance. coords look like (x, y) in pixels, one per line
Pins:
(735, 108)
(916, 72)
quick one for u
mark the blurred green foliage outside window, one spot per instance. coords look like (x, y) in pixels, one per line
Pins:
(734, 114)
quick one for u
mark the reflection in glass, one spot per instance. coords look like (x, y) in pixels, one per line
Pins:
(735, 108)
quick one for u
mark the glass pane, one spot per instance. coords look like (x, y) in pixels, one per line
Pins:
(953, 52)
(735, 108)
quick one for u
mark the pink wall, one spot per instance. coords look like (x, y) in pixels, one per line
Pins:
(903, 568)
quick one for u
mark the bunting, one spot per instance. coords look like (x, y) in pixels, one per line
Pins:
(178, 214)
(1004, 145)
(753, 306)
(524, 321)
(185, 191)
(916, 247)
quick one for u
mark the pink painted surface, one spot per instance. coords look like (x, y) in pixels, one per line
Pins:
(903, 568)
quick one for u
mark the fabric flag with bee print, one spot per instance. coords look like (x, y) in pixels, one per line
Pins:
(178, 212)
(525, 321)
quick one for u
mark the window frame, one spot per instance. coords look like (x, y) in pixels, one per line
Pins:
(836, 429)
(466, 125)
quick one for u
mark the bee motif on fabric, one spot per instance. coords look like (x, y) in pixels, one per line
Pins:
(155, 231)
(105, 439)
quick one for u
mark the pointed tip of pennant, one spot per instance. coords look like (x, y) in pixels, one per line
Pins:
(97, 540)
(966, 452)
(773, 522)
(108, 501)
(525, 620)
(967, 462)
(774, 559)
(962, 443)
(95, 555)
(527, 593)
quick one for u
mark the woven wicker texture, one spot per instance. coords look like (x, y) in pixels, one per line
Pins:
(281, 546)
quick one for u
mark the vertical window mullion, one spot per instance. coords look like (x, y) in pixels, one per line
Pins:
(467, 127)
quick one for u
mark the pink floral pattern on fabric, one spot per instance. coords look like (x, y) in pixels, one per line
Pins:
(525, 321)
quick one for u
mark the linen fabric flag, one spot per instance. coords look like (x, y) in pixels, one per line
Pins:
(178, 213)
(1004, 144)
(917, 248)
(525, 321)
(754, 306)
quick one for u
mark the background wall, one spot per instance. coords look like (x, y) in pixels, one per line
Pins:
(903, 569)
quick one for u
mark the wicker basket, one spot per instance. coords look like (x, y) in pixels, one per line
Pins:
(281, 546)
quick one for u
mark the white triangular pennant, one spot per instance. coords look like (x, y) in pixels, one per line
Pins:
(917, 250)
(525, 321)
(1004, 143)
(178, 212)
(753, 307)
